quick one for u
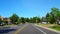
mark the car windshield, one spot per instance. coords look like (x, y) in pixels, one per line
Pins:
(29, 16)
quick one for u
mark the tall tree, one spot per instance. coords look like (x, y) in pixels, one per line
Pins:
(27, 19)
(58, 15)
(48, 17)
(31, 20)
(22, 19)
(36, 19)
(53, 16)
(54, 13)
(14, 18)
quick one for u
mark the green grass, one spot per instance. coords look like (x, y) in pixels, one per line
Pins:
(52, 26)
(46, 25)
(56, 27)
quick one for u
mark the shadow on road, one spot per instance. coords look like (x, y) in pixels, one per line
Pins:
(6, 30)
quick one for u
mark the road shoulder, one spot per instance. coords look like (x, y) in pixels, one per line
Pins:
(47, 28)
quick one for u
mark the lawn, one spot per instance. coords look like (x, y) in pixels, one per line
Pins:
(56, 27)
(46, 25)
(52, 26)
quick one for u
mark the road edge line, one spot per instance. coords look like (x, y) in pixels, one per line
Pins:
(40, 30)
(49, 29)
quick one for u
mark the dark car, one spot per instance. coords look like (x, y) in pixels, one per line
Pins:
(2, 23)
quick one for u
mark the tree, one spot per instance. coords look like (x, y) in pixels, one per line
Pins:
(0, 20)
(14, 18)
(54, 13)
(53, 16)
(51, 19)
(42, 19)
(47, 17)
(19, 21)
(27, 19)
(58, 15)
(36, 20)
(31, 20)
(22, 20)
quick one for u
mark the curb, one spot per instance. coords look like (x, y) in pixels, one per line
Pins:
(48, 28)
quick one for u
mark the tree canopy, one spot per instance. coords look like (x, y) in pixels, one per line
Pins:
(14, 18)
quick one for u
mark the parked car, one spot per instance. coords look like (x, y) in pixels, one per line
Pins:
(2, 24)
(59, 22)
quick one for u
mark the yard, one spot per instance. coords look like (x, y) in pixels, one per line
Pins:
(52, 26)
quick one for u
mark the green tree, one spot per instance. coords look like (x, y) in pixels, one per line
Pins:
(47, 17)
(42, 19)
(22, 20)
(53, 16)
(19, 21)
(27, 19)
(36, 20)
(14, 18)
(31, 20)
(0, 20)
(58, 16)
(54, 13)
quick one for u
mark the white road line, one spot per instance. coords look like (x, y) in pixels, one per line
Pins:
(40, 30)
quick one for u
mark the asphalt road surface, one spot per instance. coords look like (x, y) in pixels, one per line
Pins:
(26, 29)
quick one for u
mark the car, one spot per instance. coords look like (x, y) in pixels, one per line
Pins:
(2, 23)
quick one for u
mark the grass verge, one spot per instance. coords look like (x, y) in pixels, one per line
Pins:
(56, 27)
(52, 26)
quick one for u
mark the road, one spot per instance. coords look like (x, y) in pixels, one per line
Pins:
(26, 29)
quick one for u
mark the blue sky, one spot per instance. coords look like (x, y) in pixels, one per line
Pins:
(27, 8)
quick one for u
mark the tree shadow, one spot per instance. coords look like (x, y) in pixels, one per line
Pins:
(2, 31)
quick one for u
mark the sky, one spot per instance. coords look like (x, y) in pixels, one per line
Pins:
(27, 8)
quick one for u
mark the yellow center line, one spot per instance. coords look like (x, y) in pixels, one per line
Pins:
(19, 30)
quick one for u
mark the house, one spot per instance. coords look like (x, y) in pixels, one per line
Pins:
(7, 20)
(1, 18)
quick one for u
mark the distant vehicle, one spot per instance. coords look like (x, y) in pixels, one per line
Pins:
(59, 22)
(44, 22)
(2, 23)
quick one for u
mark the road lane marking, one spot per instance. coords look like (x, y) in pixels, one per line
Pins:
(40, 29)
(19, 30)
